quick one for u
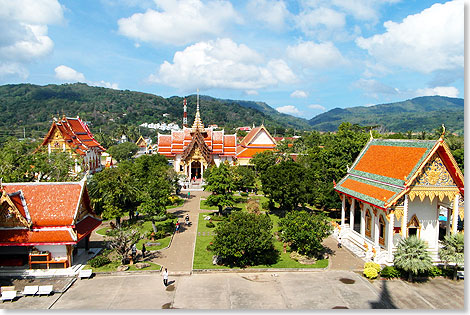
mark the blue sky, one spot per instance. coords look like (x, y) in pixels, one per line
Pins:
(300, 57)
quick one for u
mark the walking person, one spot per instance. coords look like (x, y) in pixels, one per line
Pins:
(339, 242)
(177, 227)
(143, 251)
(165, 277)
(134, 252)
(186, 220)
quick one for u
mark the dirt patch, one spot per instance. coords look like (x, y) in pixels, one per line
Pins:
(347, 281)
(170, 288)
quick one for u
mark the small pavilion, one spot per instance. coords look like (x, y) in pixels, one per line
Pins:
(398, 188)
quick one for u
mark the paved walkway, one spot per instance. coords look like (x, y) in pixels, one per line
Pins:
(342, 258)
(178, 258)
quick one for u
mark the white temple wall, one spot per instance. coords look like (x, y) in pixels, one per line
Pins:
(57, 251)
(261, 139)
(428, 216)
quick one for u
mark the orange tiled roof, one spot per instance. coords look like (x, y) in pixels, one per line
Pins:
(244, 153)
(368, 190)
(86, 226)
(36, 237)
(390, 161)
(49, 204)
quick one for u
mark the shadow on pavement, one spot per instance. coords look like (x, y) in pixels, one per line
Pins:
(385, 300)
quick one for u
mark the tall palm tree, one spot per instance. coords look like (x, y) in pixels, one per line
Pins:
(412, 256)
(453, 250)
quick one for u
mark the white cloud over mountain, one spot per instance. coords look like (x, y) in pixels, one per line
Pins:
(428, 41)
(24, 33)
(299, 94)
(221, 63)
(289, 109)
(68, 74)
(179, 22)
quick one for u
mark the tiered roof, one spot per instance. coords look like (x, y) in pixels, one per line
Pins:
(76, 134)
(45, 214)
(385, 170)
(257, 140)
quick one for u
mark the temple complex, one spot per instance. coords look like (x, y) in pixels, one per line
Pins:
(44, 224)
(258, 140)
(73, 135)
(398, 188)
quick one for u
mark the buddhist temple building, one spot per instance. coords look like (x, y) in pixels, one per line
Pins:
(73, 135)
(258, 140)
(44, 224)
(398, 188)
(193, 150)
(145, 146)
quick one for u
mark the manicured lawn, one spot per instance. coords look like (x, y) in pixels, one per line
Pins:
(163, 243)
(203, 257)
(205, 206)
(113, 265)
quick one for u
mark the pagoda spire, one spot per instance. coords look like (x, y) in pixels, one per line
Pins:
(197, 119)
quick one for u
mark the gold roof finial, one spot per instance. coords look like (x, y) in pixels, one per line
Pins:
(197, 119)
(443, 131)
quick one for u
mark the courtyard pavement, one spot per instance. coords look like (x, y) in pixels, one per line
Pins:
(341, 286)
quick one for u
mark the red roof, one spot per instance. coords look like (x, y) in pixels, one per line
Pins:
(36, 237)
(86, 226)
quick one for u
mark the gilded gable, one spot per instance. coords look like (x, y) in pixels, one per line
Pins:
(435, 174)
(10, 216)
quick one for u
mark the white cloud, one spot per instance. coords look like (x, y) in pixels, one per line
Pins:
(289, 109)
(428, 41)
(179, 22)
(366, 10)
(322, 22)
(449, 91)
(273, 14)
(221, 64)
(68, 74)
(321, 55)
(251, 92)
(317, 106)
(299, 94)
(24, 36)
(374, 88)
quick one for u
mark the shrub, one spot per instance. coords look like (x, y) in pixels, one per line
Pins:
(99, 261)
(370, 272)
(161, 218)
(244, 194)
(435, 271)
(210, 224)
(390, 272)
(174, 199)
(210, 247)
(167, 227)
(412, 256)
(217, 218)
(267, 205)
(371, 264)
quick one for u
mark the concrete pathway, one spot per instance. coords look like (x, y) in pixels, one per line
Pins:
(178, 258)
(342, 258)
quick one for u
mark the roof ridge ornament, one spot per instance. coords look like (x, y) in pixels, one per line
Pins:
(443, 131)
(370, 132)
(198, 124)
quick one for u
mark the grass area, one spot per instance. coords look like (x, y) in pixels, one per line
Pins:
(164, 242)
(113, 265)
(205, 206)
(203, 257)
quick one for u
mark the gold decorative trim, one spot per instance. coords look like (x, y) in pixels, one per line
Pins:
(440, 192)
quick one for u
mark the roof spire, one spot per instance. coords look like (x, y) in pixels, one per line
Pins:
(443, 131)
(370, 132)
(197, 120)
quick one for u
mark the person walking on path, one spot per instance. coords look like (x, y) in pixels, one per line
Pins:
(134, 252)
(177, 227)
(189, 195)
(165, 277)
(143, 251)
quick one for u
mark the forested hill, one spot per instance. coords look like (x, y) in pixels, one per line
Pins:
(425, 113)
(29, 108)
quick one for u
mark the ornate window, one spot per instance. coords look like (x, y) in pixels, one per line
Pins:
(368, 223)
(381, 230)
(413, 226)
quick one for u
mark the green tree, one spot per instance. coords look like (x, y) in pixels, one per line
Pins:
(245, 239)
(123, 151)
(453, 251)
(284, 183)
(305, 232)
(219, 180)
(244, 177)
(412, 256)
(263, 160)
(113, 191)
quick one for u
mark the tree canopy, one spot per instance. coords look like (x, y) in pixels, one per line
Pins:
(219, 180)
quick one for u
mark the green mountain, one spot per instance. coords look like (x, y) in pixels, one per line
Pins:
(425, 113)
(28, 109)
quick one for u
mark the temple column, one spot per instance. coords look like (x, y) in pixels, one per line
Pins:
(343, 206)
(455, 214)
(391, 225)
(363, 223)
(404, 219)
(351, 214)
(449, 214)
(376, 228)
(202, 171)
(49, 148)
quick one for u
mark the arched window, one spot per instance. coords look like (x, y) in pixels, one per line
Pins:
(368, 223)
(413, 226)
(381, 230)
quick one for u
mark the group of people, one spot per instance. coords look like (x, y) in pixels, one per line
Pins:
(186, 222)
(134, 251)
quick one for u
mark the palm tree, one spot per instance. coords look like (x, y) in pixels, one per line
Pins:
(453, 250)
(412, 256)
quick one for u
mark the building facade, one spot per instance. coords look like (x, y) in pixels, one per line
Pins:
(73, 135)
(398, 188)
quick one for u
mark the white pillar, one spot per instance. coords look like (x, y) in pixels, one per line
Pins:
(404, 220)
(189, 171)
(343, 206)
(376, 229)
(455, 214)
(351, 215)
(363, 223)
(49, 148)
(202, 171)
(391, 225)
(449, 214)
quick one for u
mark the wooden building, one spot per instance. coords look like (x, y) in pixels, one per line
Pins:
(44, 223)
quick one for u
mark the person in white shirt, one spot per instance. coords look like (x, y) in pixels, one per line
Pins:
(165, 277)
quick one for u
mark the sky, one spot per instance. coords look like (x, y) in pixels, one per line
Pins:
(300, 57)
